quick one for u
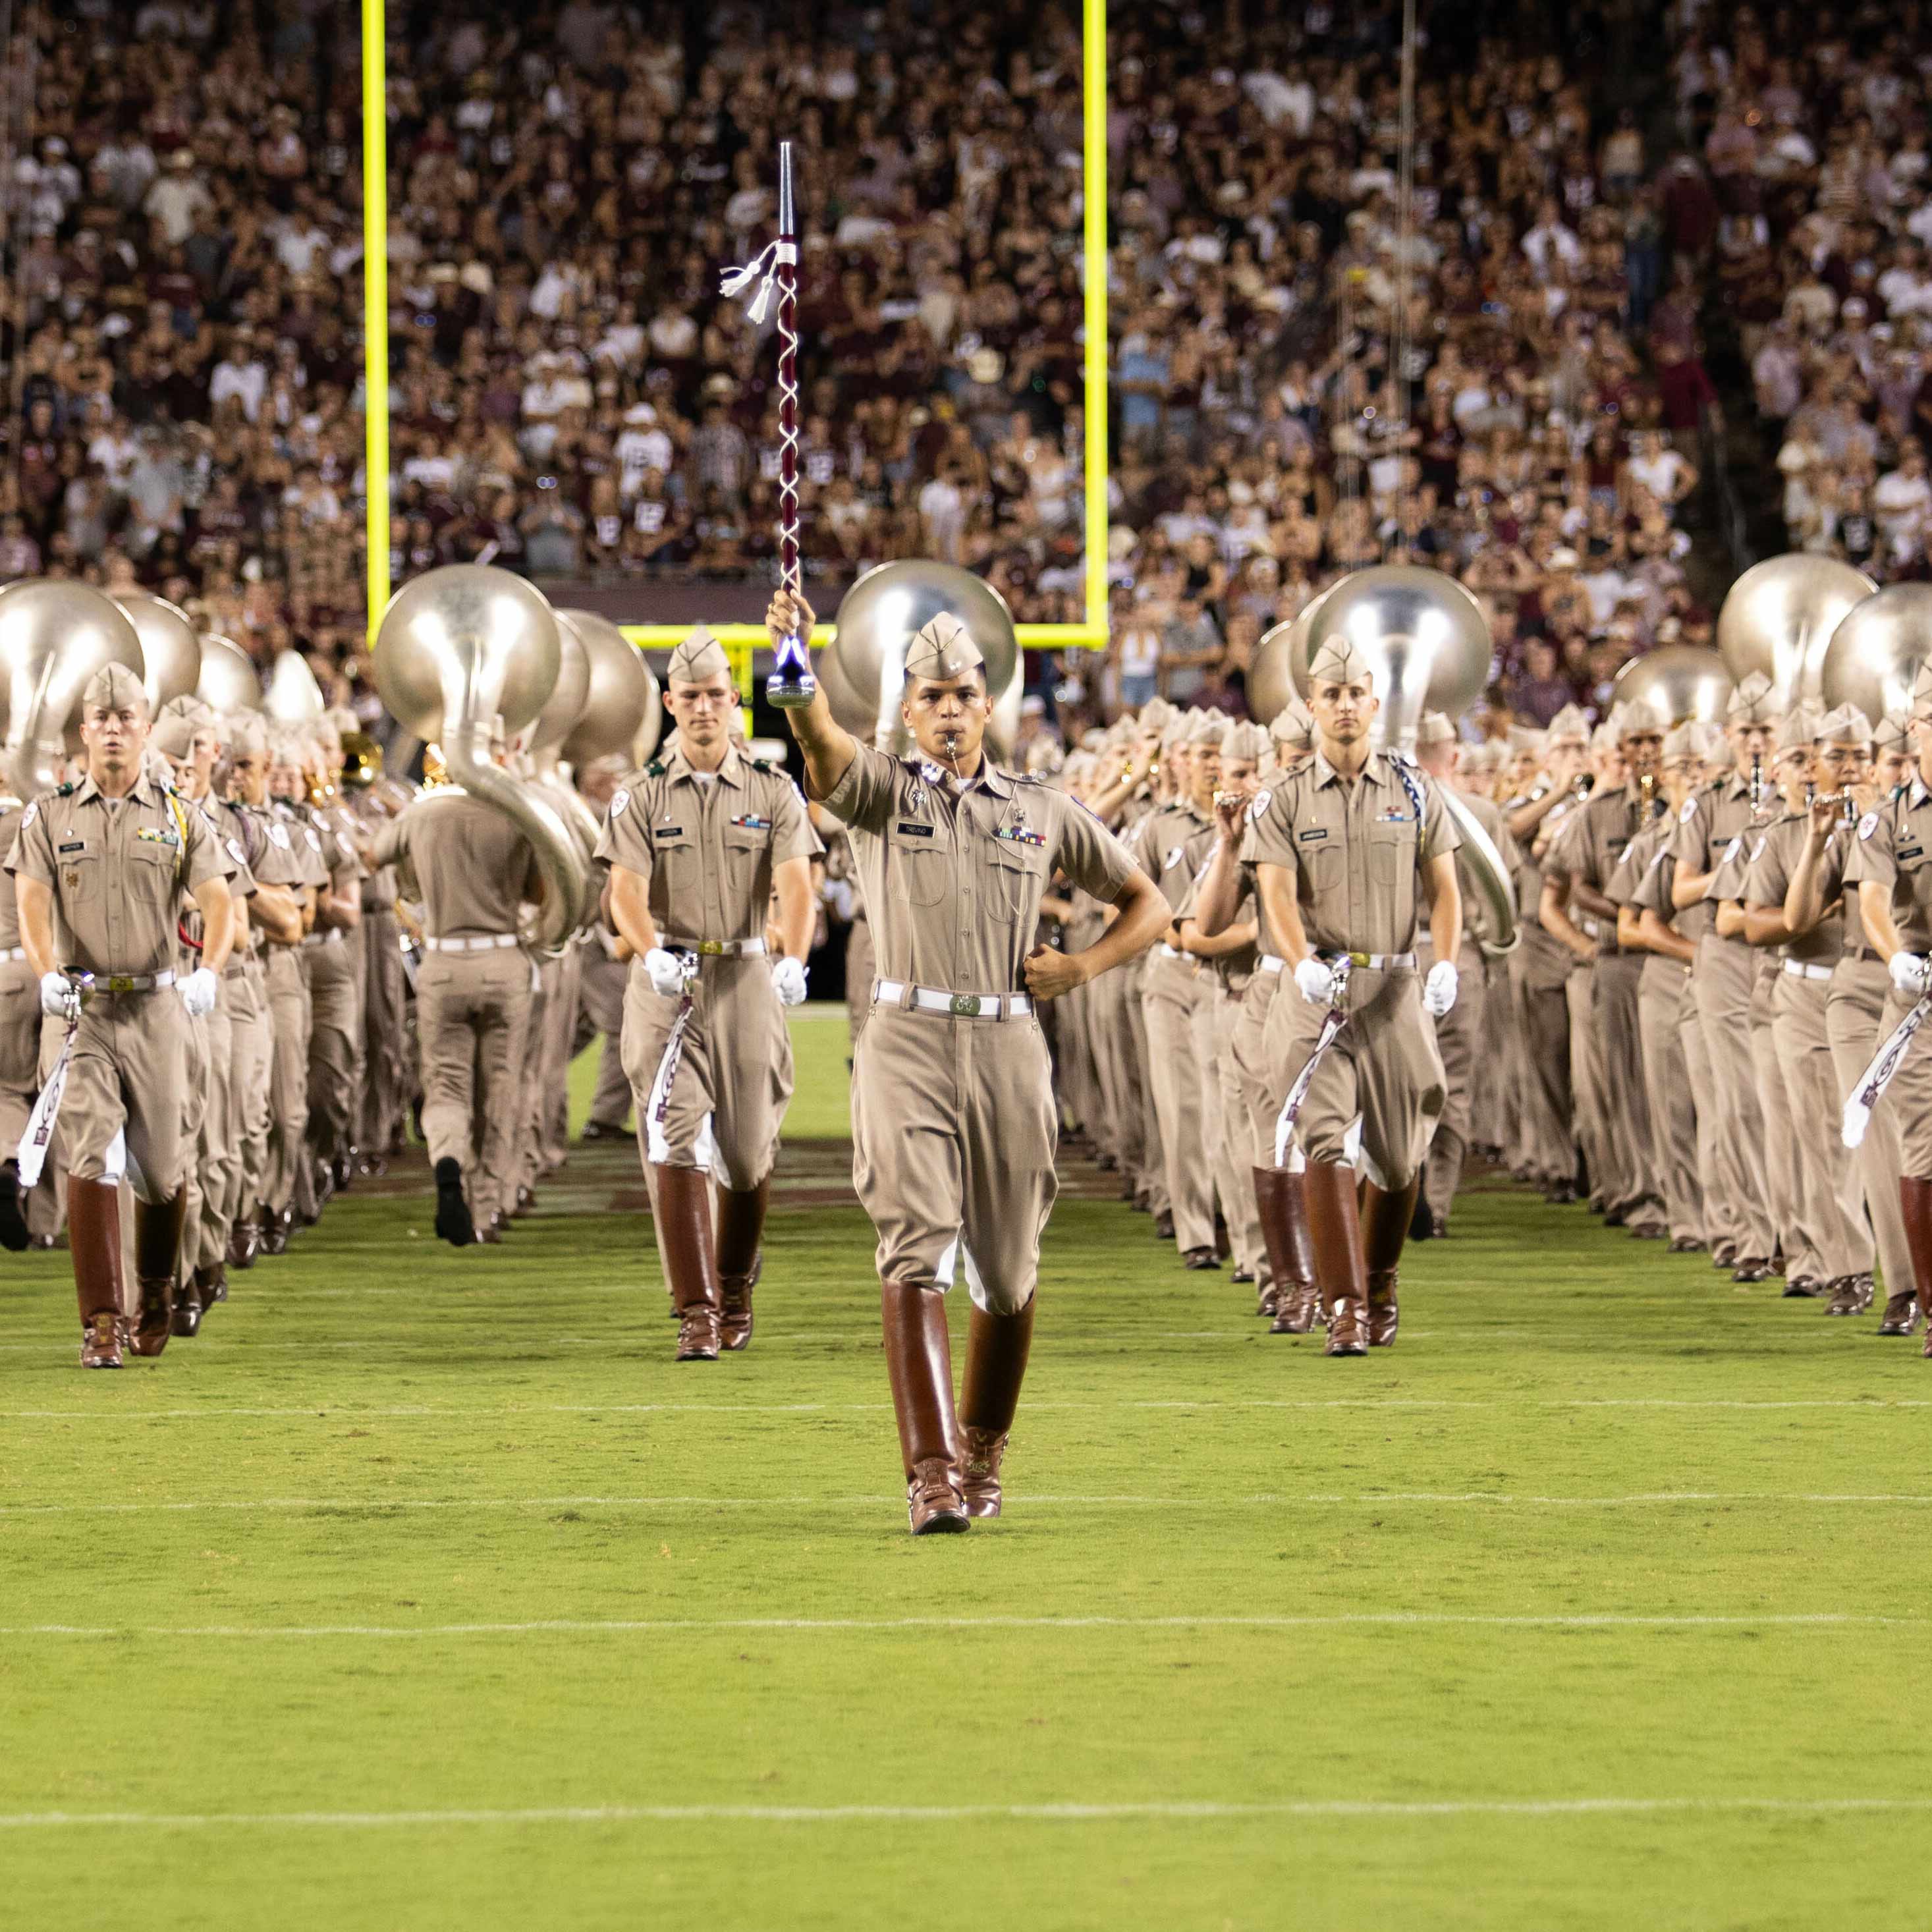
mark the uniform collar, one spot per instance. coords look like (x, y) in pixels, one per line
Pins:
(1376, 771)
(989, 776)
(731, 773)
(1918, 794)
(142, 791)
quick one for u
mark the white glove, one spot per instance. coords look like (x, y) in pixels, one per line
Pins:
(1911, 973)
(1316, 981)
(60, 997)
(665, 971)
(198, 991)
(788, 976)
(1438, 990)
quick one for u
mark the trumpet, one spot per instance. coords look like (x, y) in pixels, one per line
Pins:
(1652, 804)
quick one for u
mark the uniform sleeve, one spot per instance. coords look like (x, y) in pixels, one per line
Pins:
(1439, 831)
(32, 856)
(1688, 843)
(349, 864)
(1089, 854)
(863, 797)
(1565, 847)
(391, 843)
(1767, 877)
(241, 874)
(1269, 838)
(1620, 889)
(203, 856)
(1874, 856)
(1727, 881)
(1652, 892)
(792, 834)
(626, 840)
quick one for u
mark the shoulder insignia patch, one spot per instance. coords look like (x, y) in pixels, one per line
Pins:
(1259, 805)
(32, 812)
(314, 837)
(1868, 825)
(278, 835)
(1688, 810)
(1173, 858)
(1732, 850)
(235, 852)
(620, 801)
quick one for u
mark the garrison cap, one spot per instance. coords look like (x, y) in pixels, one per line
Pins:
(1686, 741)
(1157, 714)
(1798, 729)
(1434, 729)
(173, 734)
(1605, 738)
(1847, 725)
(1572, 722)
(1244, 741)
(1484, 757)
(114, 688)
(193, 709)
(1526, 738)
(246, 735)
(1639, 715)
(1754, 702)
(1339, 661)
(1890, 729)
(943, 647)
(1175, 732)
(699, 657)
(1921, 692)
(1293, 726)
(1209, 729)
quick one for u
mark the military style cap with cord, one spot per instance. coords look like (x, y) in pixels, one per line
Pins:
(1156, 715)
(1847, 725)
(942, 648)
(1796, 733)
(114, 688)
(1639, 715)
(1339, 661)
(1890, 729)
(1294, 725)
(1685, 741)
(1571, 723)
(1434, 729)
(173, 734)
(700, 657)
(1244, 740)
(1754, 702)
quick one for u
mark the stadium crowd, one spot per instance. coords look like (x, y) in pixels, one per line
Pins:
(572, 396)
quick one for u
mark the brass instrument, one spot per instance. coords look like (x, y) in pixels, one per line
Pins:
(55, 634)
(361, 761)
(1679, 682)
(1428, 643)
(294, 696)
(1779, 618)
(170, 650)
(228, 682)
(1272, 678)
(464, 651)
(1876, 653)
(622, 710)
(863, 668)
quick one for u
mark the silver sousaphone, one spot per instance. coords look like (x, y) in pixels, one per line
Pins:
(1427, 640)
(458, 649)
(1780, 616)
(55, 634)
(1876, 651)
(1680, 681)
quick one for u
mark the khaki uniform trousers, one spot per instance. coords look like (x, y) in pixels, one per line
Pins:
(1495, 1118)
(1383, 1066)
(953, 1136)
(1122, 1108)
(20, 1083)
(129, 1076)
(383, 989)
(334, 1056)
(1140, 1076)
(1828, 1191)
(1720, 985)
(1722, 1219)
(211, 1123)
(859, 977)
(1255, 1105)
(473, 1010)
(1222, 1108)
(1855, 1021)
(601, 982)
(1459, 1033)
(251, 1035)
(1615, 992)
(1586, 1085)
(559, 1029)
(1173, 993)
(1796, 1235)
(1663, 998)
(728, 1100)
(1548, 1151)
(288, 1079)
(526, 1149)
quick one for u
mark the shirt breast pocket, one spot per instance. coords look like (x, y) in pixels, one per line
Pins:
(150, 872)
(80, 875)
(1391, 853)
(915, 867)
(1017, 879)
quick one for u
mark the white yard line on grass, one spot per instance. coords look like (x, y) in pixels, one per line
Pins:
(1364, 1499)
(687, 1626)
(1178, 1810)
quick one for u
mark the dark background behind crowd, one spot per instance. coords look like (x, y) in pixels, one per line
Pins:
(1670, 306)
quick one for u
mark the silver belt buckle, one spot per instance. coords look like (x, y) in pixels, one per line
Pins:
(966, 1005)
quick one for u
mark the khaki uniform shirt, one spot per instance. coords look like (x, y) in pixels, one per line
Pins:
(1892, 850)
(1166, 843)
(9, 909)
(304, 841)
(121, 872)
(1708, 821)
(473, 868)
(707, 845)
(1356, 850)
(1768, 879)
(232, 838)
(1592, 841)
(954, 875)
(1547, 963)
(1233, 971)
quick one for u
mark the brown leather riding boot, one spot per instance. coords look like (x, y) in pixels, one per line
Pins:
(741, 1226)
(1335, 1228)
(684, 1226)
(919, 1359)
(996, 1360)
(157, 1233)
(1915, 1201)
(1385, 1219)
(1298, 1303)
(94, 1236)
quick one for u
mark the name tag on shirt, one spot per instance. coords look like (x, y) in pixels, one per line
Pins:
(1310, 838)
(750, 821)
(1018, 835)
(906, 831)
(668, 832)
(1904, 851)
(73, 845)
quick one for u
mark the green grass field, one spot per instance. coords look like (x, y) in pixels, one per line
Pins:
(424, 1591)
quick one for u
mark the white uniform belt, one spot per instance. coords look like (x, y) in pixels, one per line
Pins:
(966, 1006)
(329, 938)
(130, 982)
(1271, 962)
(487, 942)
(1383, 962)
(1798, 970)
(714, 949)
(17, 953)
